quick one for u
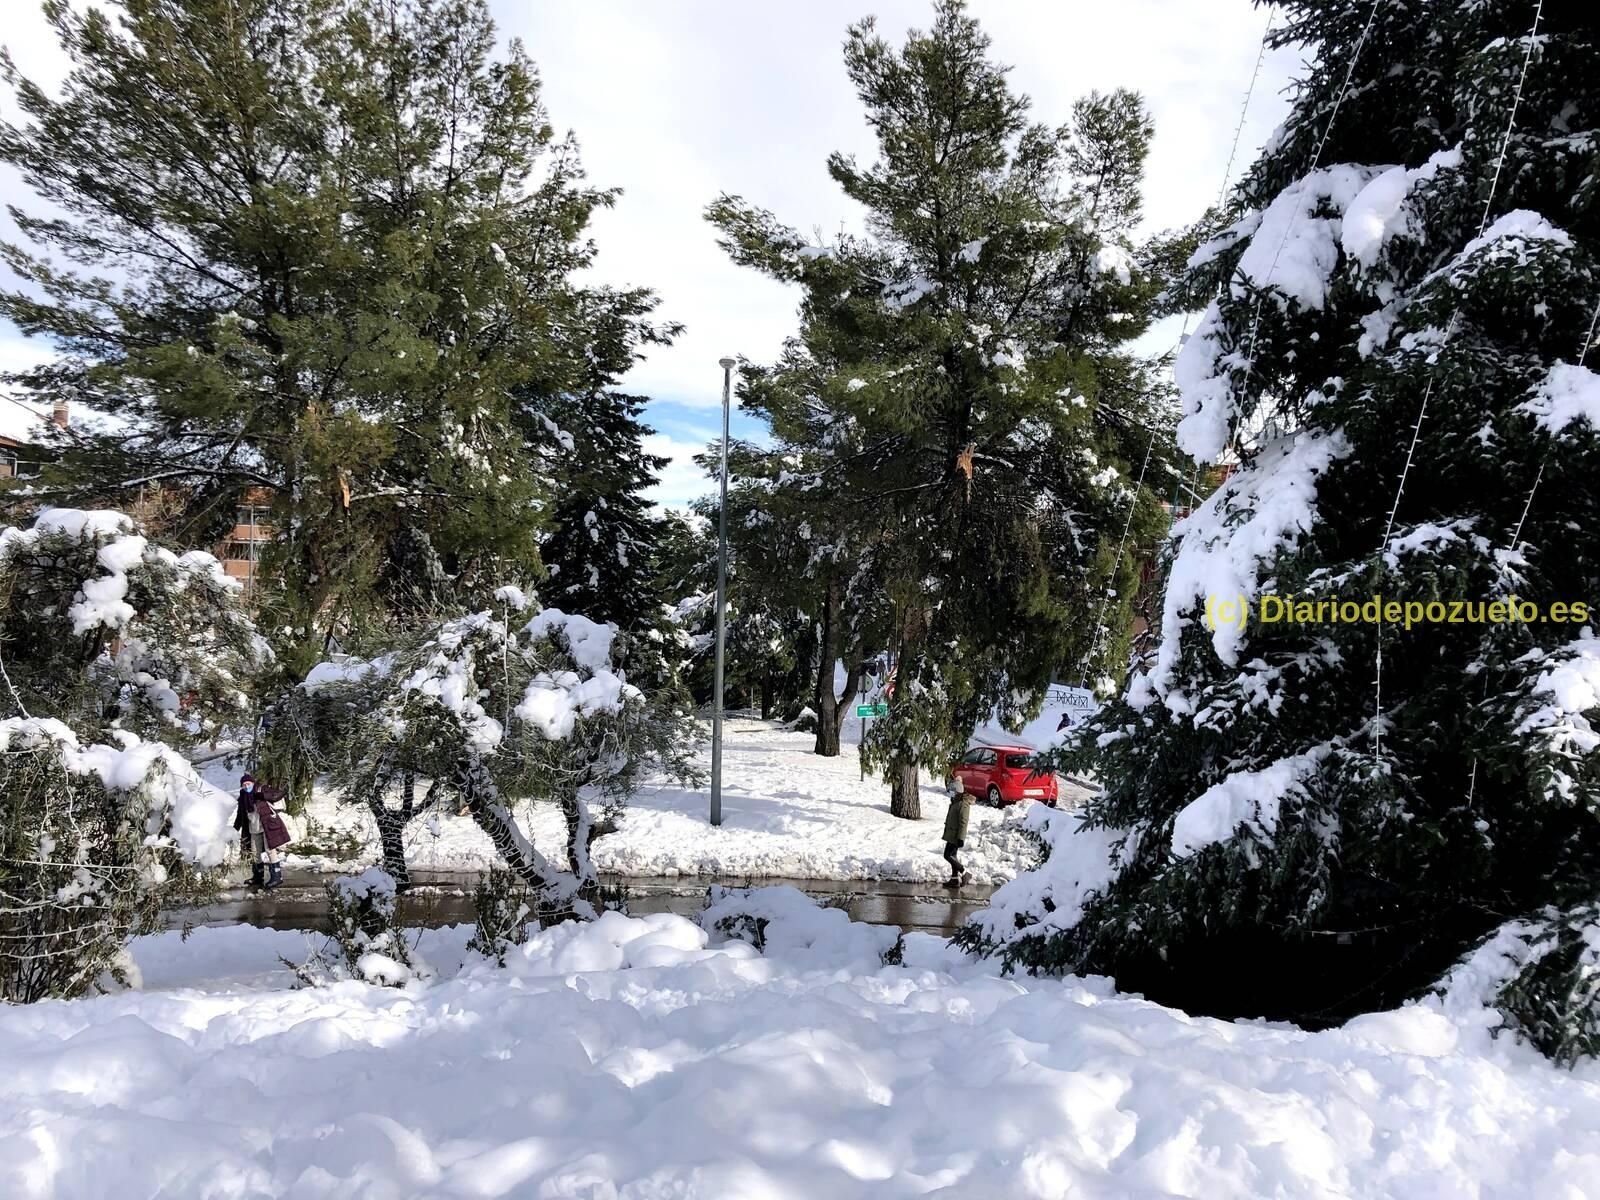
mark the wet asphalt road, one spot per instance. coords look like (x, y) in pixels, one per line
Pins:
(445, 898)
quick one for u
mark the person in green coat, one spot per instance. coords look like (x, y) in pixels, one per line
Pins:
(955, 835)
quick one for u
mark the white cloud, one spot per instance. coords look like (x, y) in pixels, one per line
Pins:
(18, 420)
(677, 103)
(680, 480)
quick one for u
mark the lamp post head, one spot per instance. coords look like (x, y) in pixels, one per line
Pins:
(727, 364)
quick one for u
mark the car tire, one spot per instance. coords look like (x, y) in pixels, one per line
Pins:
(994, 795)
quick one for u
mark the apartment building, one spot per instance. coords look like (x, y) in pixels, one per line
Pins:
(24, 449)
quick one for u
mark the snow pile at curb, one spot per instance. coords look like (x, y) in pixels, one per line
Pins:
(787, 922)
(613, 942)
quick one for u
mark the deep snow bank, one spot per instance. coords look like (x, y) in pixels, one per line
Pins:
(644, 1058)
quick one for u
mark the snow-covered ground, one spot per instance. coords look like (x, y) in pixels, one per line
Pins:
(630, 1059)
(785, 813)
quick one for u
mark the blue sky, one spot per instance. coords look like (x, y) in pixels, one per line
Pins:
(675, 103)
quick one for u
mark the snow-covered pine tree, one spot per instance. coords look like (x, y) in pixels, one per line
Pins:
(961, 363)
(115, 653)
(495, 709)
(1408, 287)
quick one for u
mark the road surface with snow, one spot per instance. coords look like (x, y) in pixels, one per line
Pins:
(786, 813)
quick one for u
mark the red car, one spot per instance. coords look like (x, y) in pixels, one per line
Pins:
(1005, 775)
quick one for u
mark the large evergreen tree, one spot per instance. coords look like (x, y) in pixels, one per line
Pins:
(601, 550)
(1320, 816)
(958, 376)
(311, 246)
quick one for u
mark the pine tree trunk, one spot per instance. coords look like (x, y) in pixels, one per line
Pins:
(826, 704)
(833, 710)
(827, 743)
(766, 694)
(905, 796)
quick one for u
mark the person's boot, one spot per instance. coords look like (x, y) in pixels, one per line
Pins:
(953, 882)
(276, 878)
(257, 876)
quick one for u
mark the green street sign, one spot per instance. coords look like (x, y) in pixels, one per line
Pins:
(872, 710)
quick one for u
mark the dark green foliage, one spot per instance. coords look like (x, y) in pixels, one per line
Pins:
(317, 247)
(1554, 999)
(502, 906)
(952, 431)
(1301, 844)
(601, 545)
(601, 549)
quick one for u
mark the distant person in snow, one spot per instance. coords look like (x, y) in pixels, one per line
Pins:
(955, 834)
(241, 821)
(257, 819)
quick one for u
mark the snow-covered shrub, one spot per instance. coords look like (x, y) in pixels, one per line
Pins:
(1540, 980)
(509, 704)
(367, 942)
(103, 629)
(786, 920)
(75, 872)
(733, 922)
(117, 653)
(502, 906)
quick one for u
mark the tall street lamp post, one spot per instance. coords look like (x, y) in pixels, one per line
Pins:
(727, 365)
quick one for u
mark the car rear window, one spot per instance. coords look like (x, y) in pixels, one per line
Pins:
(1021, 760)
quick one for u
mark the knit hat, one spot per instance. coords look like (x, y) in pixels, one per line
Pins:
(247, 778)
